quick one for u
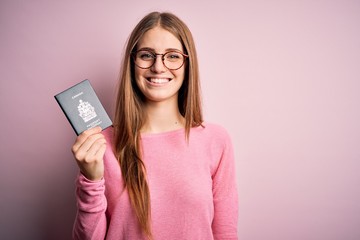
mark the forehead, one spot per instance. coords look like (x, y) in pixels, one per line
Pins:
(159, 39)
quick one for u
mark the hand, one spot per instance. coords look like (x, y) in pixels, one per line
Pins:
(88, 150)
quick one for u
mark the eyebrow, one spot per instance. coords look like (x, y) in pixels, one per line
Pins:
(166, 50)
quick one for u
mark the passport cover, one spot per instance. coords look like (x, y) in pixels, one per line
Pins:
(82, 107)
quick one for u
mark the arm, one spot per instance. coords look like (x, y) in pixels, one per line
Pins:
(225, 196)
(90, 222)
(88, 150)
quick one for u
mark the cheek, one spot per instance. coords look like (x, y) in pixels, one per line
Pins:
(138, 75)
(180, 74)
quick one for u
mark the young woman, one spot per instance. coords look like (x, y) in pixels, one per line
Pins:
(160, 172)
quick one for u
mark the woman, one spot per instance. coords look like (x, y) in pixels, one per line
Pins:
(160, 172)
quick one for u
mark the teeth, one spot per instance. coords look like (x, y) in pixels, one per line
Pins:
(159, 80)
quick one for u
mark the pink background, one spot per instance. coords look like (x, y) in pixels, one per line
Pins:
(281, 76)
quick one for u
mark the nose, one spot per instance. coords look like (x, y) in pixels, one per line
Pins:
(158, 66)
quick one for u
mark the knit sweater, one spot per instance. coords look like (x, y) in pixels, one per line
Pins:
(192, 190)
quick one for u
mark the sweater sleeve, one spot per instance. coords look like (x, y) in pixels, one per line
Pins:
(225, 195)
(90, 221)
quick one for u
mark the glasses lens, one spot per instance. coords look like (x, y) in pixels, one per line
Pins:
(144, 59)
(173, 60)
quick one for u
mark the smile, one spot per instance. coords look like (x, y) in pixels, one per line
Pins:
(159, 81)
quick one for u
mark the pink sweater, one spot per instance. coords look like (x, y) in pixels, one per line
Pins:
(192, 188)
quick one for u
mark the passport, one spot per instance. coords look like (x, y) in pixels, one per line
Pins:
(82, 107)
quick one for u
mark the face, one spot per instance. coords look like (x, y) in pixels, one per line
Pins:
(158, 83)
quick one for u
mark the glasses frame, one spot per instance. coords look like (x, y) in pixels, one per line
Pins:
(133, 54)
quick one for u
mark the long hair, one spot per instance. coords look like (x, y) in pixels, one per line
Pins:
(130, 116)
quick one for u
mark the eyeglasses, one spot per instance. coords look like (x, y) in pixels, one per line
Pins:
(172, 60)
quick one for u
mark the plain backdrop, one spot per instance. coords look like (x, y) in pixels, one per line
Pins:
(281, 76)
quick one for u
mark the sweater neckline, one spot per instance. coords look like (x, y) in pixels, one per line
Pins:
(180, 131)
(163, 134)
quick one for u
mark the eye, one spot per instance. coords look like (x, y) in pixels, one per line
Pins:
(145, 55)
(173, 56)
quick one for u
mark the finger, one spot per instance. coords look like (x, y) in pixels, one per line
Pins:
(95, 147)
(100, 153)
(84, 136)
(92, 166)
(90, 141)
(89, 145)
(86, 144)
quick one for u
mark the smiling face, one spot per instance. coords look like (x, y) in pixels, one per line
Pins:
(158, 83)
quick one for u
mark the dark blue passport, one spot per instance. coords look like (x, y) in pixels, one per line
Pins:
(83, 108)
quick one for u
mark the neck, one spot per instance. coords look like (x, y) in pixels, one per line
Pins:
(162, 117)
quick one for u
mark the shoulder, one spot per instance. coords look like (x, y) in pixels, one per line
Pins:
(211, 133)
(214, 130)
(214, 142)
